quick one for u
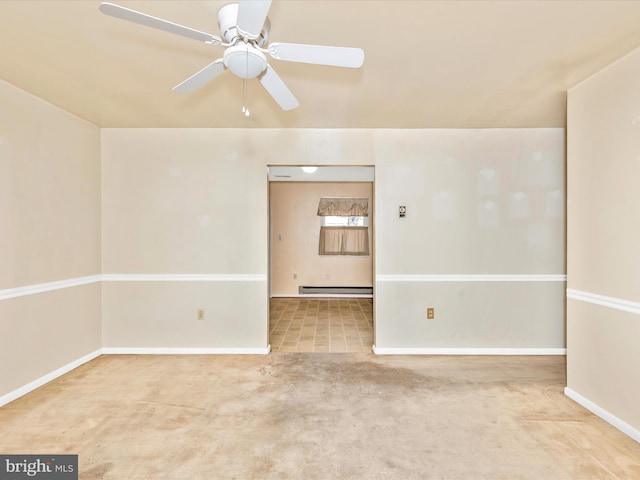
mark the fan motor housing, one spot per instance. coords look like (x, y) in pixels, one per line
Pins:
(227, 21)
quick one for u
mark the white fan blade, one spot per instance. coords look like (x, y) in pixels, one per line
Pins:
(251, 16)
(278, 90)
(198, 79)
(317, 54)
(153, 22)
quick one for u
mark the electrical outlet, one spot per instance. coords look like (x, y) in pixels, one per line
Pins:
(201, 314)
(295, 275)
(431, 313)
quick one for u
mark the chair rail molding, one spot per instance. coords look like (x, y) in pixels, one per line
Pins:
(604, 301)
(47, 286)
(474, 278)
(25, 290)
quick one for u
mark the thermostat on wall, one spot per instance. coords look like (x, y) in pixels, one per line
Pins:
(402, 211)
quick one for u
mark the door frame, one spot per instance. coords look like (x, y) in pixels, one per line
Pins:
(327, 173)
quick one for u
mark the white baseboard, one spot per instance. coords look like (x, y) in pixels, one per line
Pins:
(467, 351)
(29, 387)
(184, 351)
(603, 414)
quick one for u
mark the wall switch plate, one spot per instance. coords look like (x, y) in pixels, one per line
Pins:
(402, 211)
(201, 314)
(431, 313)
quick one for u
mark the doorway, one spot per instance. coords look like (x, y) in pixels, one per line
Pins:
(321, 275)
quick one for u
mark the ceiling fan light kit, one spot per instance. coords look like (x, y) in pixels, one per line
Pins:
(244, 29)
(245, 61)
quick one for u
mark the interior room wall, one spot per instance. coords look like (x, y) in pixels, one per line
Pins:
(482, 241)
(603, 326)
(185, 227)
(295, 228)
(50, 238)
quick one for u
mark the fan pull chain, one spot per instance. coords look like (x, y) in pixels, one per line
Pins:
(245, 110)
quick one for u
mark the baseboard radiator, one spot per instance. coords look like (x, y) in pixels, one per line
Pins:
(306, 290)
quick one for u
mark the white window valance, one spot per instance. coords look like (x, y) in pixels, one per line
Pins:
(343, 207)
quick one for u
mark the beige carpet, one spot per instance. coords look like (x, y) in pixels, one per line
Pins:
(318, 416)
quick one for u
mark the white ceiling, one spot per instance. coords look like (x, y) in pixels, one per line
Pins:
(428, 64)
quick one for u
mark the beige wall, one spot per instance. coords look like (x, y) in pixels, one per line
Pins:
(47, 331)
(50, 231)
(480, 203)
(603, 362)
(163, 314)
(184, 202)
(50, 191)
(295, 231)
(470, 315)
(194, 202)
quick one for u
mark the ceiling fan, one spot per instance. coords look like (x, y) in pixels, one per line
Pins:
(244, 30)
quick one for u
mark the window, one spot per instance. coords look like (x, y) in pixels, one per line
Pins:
(352, 221)
(345, 226)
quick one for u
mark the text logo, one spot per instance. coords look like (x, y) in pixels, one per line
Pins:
(49, 467)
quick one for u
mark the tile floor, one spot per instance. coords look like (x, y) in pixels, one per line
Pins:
(321, 324)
